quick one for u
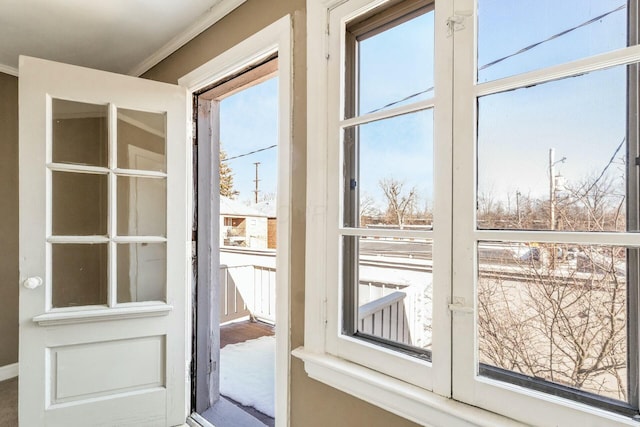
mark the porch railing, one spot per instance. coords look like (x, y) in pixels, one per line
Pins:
(247, 290)
(386, 318)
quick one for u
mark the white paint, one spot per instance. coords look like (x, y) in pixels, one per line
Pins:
(325, 65)
(276, 37)
(383, 377)
(8, 371)
(84, 327)
(120, 36)
(86, 371)
(221, 9)
(147, 260)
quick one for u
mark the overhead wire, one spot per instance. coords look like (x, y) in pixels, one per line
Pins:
(553, 37)
(249, 153)
(483, 67)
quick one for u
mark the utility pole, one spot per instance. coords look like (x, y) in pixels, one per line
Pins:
(256, 191)
(552, 188)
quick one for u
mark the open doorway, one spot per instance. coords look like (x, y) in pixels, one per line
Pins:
(235, 317)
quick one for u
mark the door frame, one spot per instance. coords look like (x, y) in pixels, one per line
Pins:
(275, 38)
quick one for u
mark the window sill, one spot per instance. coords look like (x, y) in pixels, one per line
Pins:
(86, 315)
(393, 395)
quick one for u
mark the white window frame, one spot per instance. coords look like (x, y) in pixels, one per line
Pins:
(447, 394)
(275, 38)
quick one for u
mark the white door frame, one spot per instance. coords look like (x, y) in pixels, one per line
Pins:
(274, 38)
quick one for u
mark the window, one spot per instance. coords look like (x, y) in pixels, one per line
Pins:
(474, 209)
(388, 185)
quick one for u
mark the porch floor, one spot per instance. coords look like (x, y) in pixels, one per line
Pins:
(234, 333)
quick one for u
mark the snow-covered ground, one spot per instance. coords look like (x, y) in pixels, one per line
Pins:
(247, 373)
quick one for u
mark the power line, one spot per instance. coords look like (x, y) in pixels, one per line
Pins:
(401, 100)
(555, 36)
(250, 153)
(523, 50)
(483, 67)
(615, 153)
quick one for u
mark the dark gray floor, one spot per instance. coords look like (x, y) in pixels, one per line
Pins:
(9, 403)
(225, 413)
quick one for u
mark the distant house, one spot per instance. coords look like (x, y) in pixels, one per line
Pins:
(268, 207)
(242, 225)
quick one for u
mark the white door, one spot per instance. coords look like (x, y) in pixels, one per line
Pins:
(98, 345)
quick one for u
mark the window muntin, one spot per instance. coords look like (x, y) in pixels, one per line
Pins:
(555, 313)
(528, 406)
(392, 178)
(389, 179)
(395, 288)
(391, 75)
(571, 131)
(585, 110)
(548, 33)
(107, 207)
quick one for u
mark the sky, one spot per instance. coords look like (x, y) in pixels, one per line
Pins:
(581, 118)
(248, 122)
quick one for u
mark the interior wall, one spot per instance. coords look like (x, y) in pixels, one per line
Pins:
(312, 403)
(9, 224)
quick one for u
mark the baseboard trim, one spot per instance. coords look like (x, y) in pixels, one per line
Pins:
(8, 371)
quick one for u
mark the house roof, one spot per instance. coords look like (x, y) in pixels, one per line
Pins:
(230, 207)
(268, 207)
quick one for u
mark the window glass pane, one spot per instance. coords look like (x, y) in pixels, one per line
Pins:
(142, 272)
(80, 133)
(516, 37)
(142, 204)
(554, 312)
(141, 140)
(389, 172)
(394, 289)
(79, 204)
(79, 275)
(396, 65)
(554, 156)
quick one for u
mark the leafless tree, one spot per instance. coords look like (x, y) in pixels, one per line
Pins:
(562, 320)
(564, 326)
(399, 203)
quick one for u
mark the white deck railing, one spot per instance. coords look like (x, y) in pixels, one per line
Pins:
(247, 290)
(386, 318)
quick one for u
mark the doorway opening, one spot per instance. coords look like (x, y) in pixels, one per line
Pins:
(237, 185)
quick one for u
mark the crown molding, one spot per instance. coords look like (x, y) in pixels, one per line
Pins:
(8, 70)
(213, 15)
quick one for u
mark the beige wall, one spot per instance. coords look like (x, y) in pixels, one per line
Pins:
(312, 404)
(9, 222)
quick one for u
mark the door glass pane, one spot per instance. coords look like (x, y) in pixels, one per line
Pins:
(142, 205)
(142, 272)
(79, 204)
(554, 312)
(79, 274)
(554, 156)
(396, 65)
(80, 133)
(394, 289)
(516, 37)
(141, 140)
(389, 173)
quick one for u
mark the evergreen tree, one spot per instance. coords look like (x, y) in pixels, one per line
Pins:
(226, 177)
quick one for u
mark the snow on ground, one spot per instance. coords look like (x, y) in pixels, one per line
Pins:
(247, 373)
